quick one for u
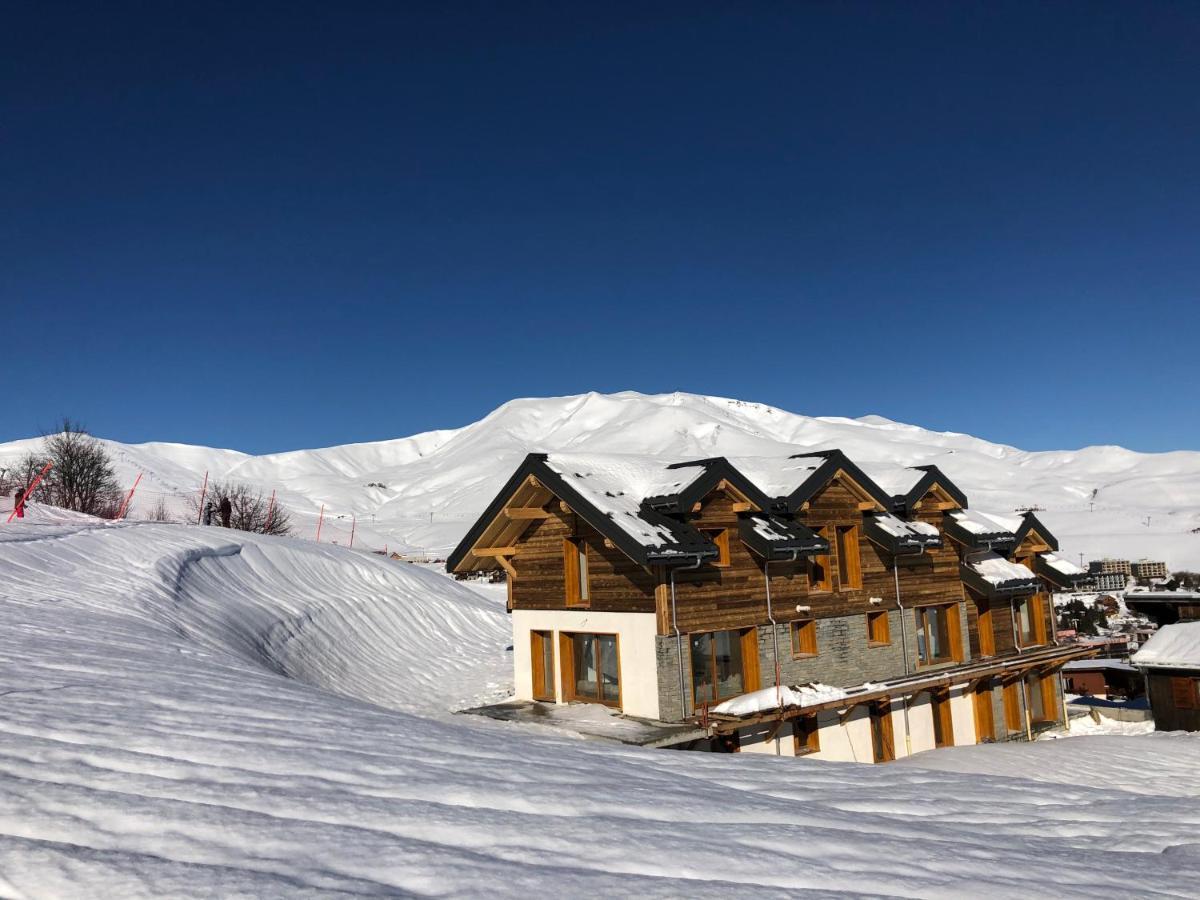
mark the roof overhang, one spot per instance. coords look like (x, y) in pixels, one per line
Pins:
(973, 540)
(1012, 588)
(774, 537)
(911, 541)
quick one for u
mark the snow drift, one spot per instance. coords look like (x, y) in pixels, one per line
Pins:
(183, 711)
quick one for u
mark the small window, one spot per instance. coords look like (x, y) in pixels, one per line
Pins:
(877, 628)
(1026, 629)
(542, 659)
(849, 565)
(720, 537)
(575, 564)
(806, 735)
(804, 638)
(819, 576)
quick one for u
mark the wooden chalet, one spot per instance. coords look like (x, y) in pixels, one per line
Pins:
(1170, 662)
(697, 591)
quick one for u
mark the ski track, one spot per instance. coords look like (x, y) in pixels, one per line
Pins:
(186, 711)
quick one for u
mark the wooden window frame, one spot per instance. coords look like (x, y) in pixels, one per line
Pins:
(543, 680)
(943, 717)
(985, 628)
(849, 557)
(883, 749)
(824, 560)
(578, 584)
(720, 537)
(1013, 722)
(879, 632)
(566, 667)
(953, 633)
(804, 639)
(806, 735)
(748, 642)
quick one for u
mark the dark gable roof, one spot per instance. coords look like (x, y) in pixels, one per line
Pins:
(774, 536)
(933, 476)
(997, 537)
(687, 543)
(1029, 523)
(834, 460)
(897, 536)
(1057, 578)
(715, 470)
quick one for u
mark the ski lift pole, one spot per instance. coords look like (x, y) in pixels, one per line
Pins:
(353, 525)
(320, 519)
(20, 501)
(203, 492)
(125, 506)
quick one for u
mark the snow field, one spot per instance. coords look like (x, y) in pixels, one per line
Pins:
(184, 712)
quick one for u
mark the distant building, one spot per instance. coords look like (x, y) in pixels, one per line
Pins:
(1148, 568)
(1108, 566)
(1108, 581)
(1171, 663)
(1165, 607)
(1104, 678)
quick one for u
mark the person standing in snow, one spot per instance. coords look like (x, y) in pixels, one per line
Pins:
(226, 511)
(208, 513)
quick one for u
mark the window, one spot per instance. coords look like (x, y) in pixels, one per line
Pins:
(882, 743)
(542, 660)
(987, 637)
(575, 564)
(849, 565)
(1012, 708)
(591, 670)
(806, 735)
(1026, 621)
(877, 628)
(804, 638)
(724, 664)
(943, 723)
(1184, 693)
(720, 537)
(1040, 697)
(819, 576)
(938, 636)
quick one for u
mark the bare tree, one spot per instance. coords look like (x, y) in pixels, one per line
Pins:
(159, 512)
(82, 478)
(251, 511)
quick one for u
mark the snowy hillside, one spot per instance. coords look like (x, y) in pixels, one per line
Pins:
(183, 712)
(435, 484)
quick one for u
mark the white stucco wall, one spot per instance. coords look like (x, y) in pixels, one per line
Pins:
(635, 645)
(753, 740)
(920, 723)
(847, 740)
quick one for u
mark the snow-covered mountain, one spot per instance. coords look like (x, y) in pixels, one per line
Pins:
(424, 491)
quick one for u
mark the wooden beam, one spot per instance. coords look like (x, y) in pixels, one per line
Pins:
(562, 504)
(744, 507)
(609, 544)
(526, 512)
(867, 504)
(507, 566)
(494, 551)
(696, 507)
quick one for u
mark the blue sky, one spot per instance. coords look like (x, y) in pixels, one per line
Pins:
(279, 226)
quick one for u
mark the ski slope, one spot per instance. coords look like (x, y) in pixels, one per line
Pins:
(194, 712)
(1097, 500)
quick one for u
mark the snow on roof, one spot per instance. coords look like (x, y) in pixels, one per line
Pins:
(616, 484)
(779, 698)
(893, 480)
(977, 522)
(1086, 665)
(899, 528)
(771, 528)
(996, 570)
(1063, 566)
(776, 476)
(1172, 646)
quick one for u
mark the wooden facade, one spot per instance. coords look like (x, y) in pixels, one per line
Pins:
(701, 580)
